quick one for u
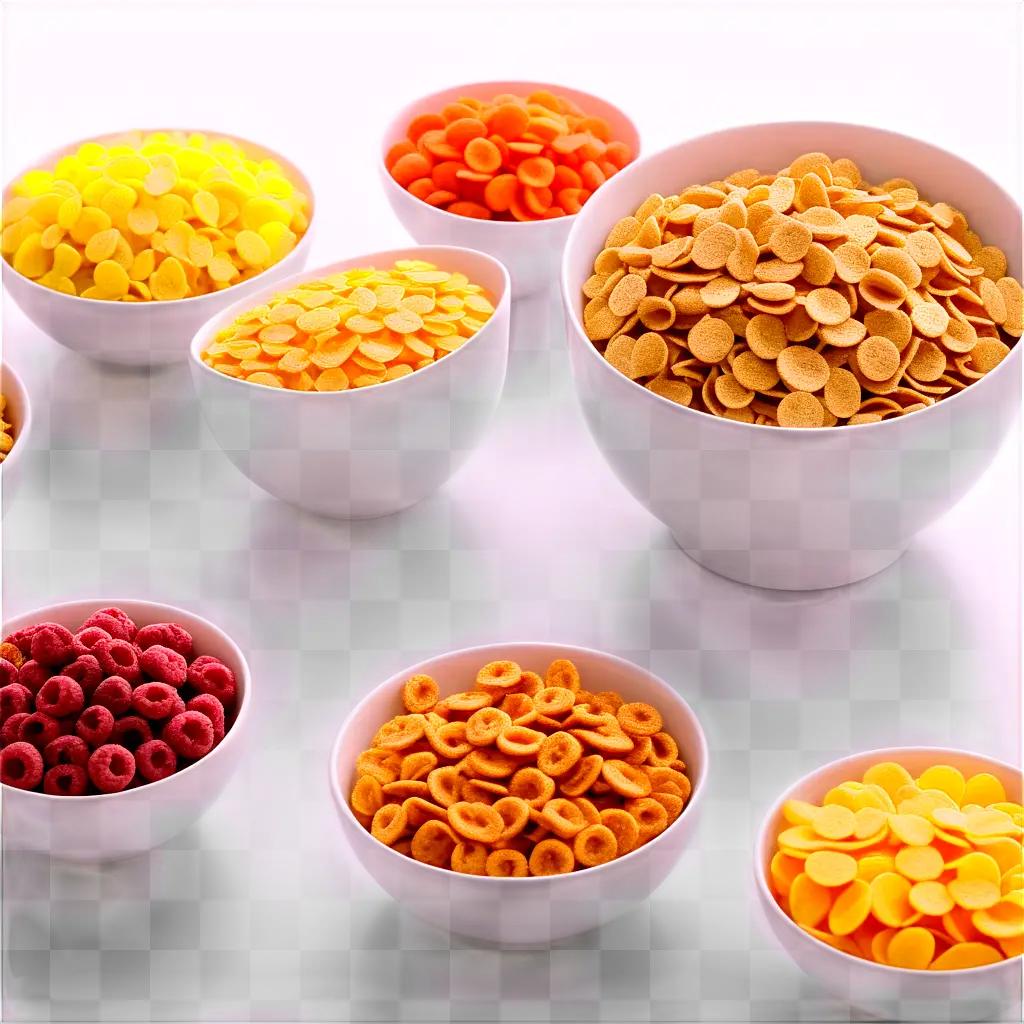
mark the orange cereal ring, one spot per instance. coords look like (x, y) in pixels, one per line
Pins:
(559, 753)
(536, 172)
(554, 700)
(582, 776)
(591, 815)
(423, 123)
(433, 843)
(626, 779)
(500, 191)
(478, 822)
(401, 732)
(367, 797)
(596, 844)
(562, 817)
(672, 803)
(469, 858)
(518, 741)
(397, 151)
(606, 742)
(507, 864)
(383, 765)
(641, 750)
(406, 169)
(418, 765)
(469, 700)
(450, 740)
(482, 155)
(481, 791)
(418, 810)
(419, 694)
(533, 786)
(551, 857)
(650, 815)
(664, 750)
(587, 716)
(388, 823)
(485, 725)
(547, 722)
(444, 785)
(491, 763)
(499, 676)
(515, 813)
(610, 700)
(463, 130)
(639, 719)
(520, 708)
(530, 684)
(404, 788)
(562, 672)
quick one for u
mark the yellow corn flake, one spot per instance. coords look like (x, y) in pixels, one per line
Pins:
(352, 329)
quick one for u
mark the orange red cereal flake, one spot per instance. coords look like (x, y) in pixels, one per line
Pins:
(352, 329)
(925, 873)
(152, 217)
(520, 775)
(510, 158)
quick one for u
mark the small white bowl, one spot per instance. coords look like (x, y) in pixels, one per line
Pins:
(19, 415)
(143, 333)
(520, 911)
(110, 826)
(531, 250)
(775, 507)
(891, 993)
(370, 451)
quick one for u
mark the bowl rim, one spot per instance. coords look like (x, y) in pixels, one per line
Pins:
(206, 331)
(763, 840)
(405, 113)
(49, 159)
(692, 805)
(8, 376)
(571, 294)
(230, 735)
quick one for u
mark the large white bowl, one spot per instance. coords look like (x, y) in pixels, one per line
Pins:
(775, 507)
(19, 415)
(143, 333)
(520, 911)
(368, 451)
(891, 993)
(109, 826)
(531, 250)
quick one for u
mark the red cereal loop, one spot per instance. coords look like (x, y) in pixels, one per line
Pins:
(86, 671)
(66, 780)
(95, 725)
(22, 638)
(165, 634)
(39, 729)
(33, 675)
(10, 731)
(163, 665)
(86, 639)
(68, 750)
(53, 645)
(189, 734)
(21, 766)
(111, 767)
(157, 700)
(60, 696)
(131, 732)
(155, 760)
(114, 693)
(14, 699)
(8, 670)
(115, 621)
(118, 658)
(208, 705)
(214, 677)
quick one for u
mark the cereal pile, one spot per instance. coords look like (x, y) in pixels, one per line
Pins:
(161, 216)
(111, 706)
(512, 158)
(915, 873)
(352, 329)
(6, 430)
(806, 298)
(519, 775)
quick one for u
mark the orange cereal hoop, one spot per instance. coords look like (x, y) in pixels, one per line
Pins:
(352, 329)
(803, 298)
(459, 782)
(922, 873)
(510, 158)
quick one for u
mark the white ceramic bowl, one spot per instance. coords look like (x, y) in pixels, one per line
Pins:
(775, 507)
(109, 826)
(520, 911)
(530, 250)
(143, 333)
(19, 415)
(369, 451)
(891, 993)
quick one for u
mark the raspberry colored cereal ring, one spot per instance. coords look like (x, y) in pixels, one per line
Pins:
(86, 671)
(14, 699)
(67, 750)
(22, 638)
(95, 725)
(190, 734)
(118, 658)
(131, 732)
(52, 645)
(163, 665)
(32, 675)
(507, 864)
(86, 639)
(156, 701)
(208, 705)
(39, 729)
(111, 768)
(551, 857)
(8, 667)
(165, 634)
(155, 760)
(115, 621)
(21, 765)
(595, 844)
(10, 731)
(113, 693)
(66, 780)
(60, 696)
(214, 677)
(419, 694)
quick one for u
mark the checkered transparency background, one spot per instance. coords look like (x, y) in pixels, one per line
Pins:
(259, 912)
